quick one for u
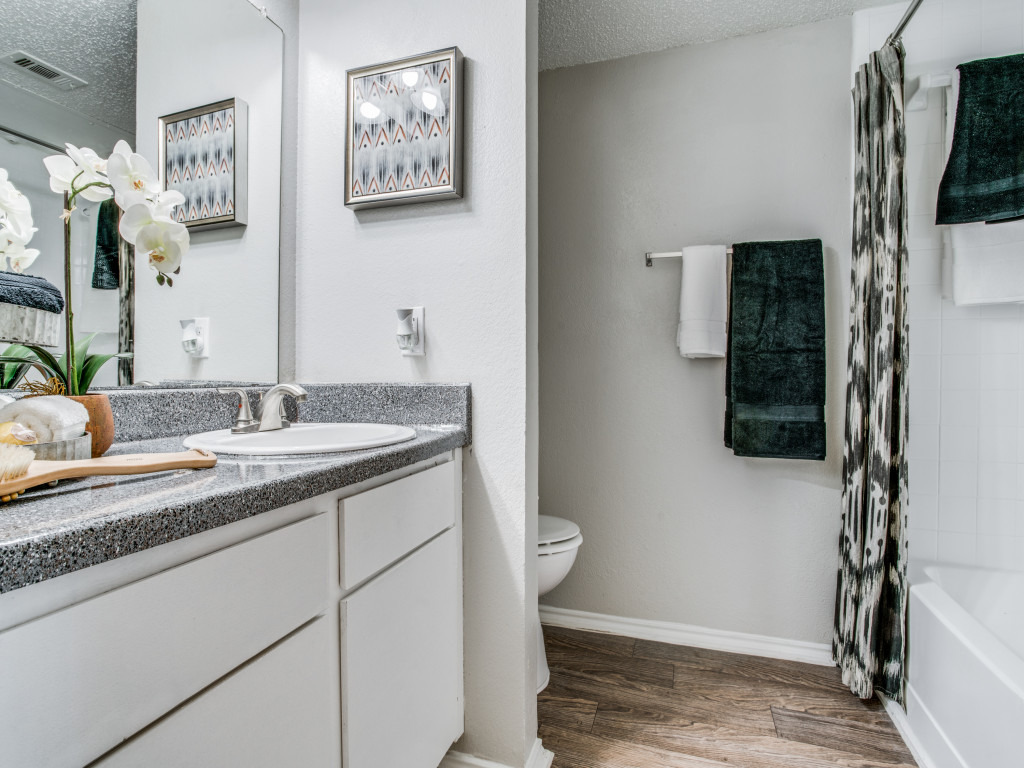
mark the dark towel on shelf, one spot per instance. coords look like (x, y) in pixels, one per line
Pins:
(105, 270)
(29, 291)
(775, 369)
(984, 177)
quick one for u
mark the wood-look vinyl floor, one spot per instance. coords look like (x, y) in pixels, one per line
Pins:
(615, 702)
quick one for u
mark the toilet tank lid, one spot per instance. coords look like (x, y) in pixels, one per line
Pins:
(551, 529)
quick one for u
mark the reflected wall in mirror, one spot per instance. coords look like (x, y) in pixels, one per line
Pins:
(140, 60)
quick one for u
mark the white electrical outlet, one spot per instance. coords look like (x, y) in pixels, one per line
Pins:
(195, 336)
(411, 331)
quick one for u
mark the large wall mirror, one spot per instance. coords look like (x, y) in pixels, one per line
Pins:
(141, 60)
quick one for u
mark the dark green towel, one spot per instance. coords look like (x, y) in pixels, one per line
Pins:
(30, 291)
(984, 178)
(775, 371)
(105, 272)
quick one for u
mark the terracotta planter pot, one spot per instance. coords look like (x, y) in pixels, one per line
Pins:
(101, 422)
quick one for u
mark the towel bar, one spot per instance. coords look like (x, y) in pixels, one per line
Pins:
(651, 255)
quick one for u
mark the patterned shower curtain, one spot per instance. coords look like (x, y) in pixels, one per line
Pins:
(869, 642)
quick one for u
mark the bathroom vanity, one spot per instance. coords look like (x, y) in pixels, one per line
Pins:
(322, 632)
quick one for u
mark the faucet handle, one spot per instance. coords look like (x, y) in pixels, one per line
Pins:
(244, 422)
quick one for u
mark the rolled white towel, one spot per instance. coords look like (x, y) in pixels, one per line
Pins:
(51, 417)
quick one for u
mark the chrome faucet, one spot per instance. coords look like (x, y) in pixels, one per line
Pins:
(244, 421)
(272, 406)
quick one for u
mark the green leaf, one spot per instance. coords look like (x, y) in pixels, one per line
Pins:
(81, 353)
(53, 364)
(40, 366)
(90, 369)
(12, 373)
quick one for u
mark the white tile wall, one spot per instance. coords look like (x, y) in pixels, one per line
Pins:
(967, 363)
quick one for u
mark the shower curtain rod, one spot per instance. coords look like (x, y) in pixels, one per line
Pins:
(26, 137)
(898, 32)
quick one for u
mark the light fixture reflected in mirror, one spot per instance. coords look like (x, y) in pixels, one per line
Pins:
(369, 111)
(429, 100)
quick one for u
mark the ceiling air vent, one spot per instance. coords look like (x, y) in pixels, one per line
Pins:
(36, 67)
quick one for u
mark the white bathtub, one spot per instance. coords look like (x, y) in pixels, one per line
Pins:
(965, 698)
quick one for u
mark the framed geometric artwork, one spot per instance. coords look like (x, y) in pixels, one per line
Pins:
(403, 140)
(203, 153)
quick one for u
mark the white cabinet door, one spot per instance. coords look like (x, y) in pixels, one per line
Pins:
(401, 661)
(272, 712)
(78, 682)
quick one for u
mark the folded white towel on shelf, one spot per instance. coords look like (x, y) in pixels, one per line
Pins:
(703, 300)
(51, 417)
(984, 263)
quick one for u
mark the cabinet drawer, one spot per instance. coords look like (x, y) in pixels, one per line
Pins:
(81, 680)
(273, 712)
(401, 661)
(380, 526)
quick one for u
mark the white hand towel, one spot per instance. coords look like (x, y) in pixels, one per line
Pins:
(703, 302)
(51, 417)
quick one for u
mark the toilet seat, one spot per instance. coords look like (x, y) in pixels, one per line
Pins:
(560, 546)
(552, 530)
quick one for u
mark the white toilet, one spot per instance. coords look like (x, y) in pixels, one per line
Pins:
(558, 541)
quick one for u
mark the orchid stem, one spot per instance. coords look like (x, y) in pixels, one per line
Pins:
(69, 316)
(71, 371)
(68, 201)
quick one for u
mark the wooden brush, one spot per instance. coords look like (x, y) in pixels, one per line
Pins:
(20, 470)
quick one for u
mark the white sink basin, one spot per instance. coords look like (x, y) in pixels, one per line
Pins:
(302, 438)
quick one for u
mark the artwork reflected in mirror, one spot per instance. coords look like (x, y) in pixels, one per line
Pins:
(204, 156)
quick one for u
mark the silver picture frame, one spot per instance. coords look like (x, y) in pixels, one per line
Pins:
(403, 131)
(198, 143)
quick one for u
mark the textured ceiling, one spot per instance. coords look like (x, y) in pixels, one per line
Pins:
(583, 31)
(92, 39)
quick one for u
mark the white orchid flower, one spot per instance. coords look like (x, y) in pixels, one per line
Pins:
(153, 233)
(163, 243)
(15, 218)
(165, 202)
(132, 176)
(18, 255)
(137, 217)
(18, 229)
(12, 202)
(88, 160)
(62, 170)
(77, 169)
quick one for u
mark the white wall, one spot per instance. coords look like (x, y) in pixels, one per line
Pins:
(229, 275)
(466, 262)
(745, 139)
(967, 363)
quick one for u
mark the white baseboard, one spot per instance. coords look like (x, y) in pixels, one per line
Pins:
(687, 634)
(539, 758)
(462, 760)
(902, 723)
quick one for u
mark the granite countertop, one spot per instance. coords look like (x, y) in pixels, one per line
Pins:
(53, 531)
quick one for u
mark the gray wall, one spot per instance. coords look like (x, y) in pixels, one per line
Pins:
(745, 139)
